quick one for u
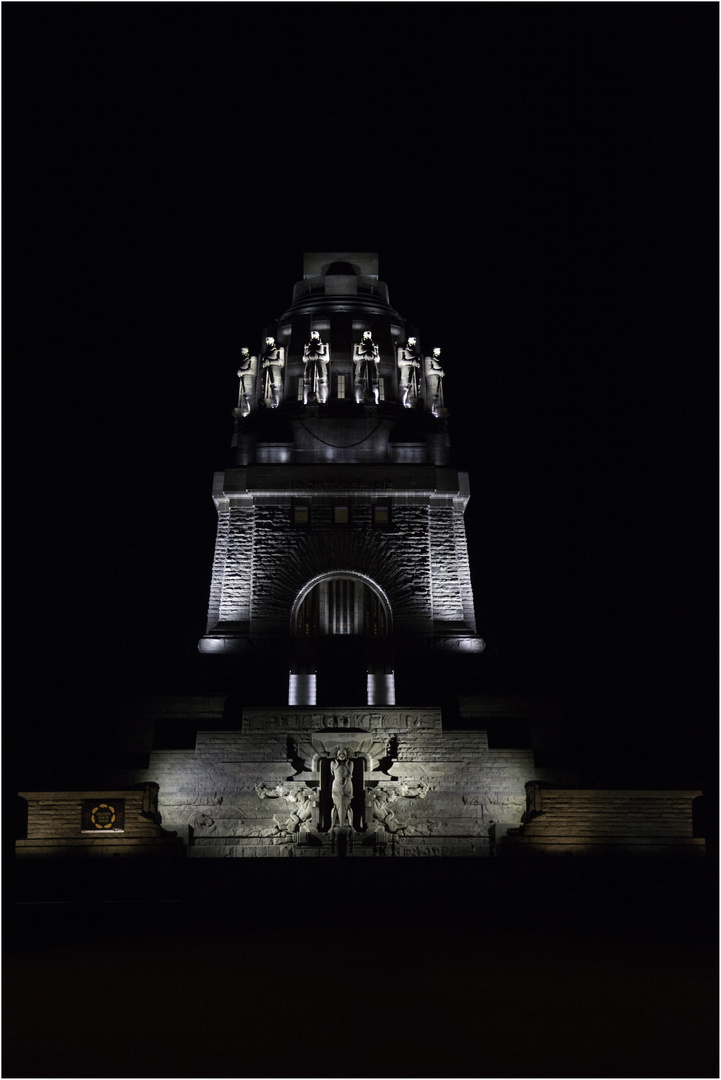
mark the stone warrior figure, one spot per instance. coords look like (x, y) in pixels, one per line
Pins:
(342, 790)
(366, 359)
(315, 369)
(434, 375)
(273, 362)
(408, 364)
(246, 374)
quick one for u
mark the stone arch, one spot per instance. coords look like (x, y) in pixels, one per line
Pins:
(340, 642)
(321, 608)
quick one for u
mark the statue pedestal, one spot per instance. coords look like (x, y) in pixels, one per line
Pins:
(342, 838)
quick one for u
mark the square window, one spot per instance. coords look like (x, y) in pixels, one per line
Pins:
(301, 513)
(381, 514)
(341, 515)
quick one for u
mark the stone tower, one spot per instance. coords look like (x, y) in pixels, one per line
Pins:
(341, 551)
(339, 704)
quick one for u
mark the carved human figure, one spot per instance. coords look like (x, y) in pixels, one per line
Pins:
(408, 364)
(246, 374)
(366, 358)
(434, 377)
(383, 812)
(315, 369)
(305, 800)
(273, 363)
(342, 790)
(491, 830)
(264, 791)
(409, 790)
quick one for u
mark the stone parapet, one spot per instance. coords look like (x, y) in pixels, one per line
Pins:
(605, 822)
(57, 826)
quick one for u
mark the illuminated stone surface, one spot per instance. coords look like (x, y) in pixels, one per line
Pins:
(341, 621)
(422, 790)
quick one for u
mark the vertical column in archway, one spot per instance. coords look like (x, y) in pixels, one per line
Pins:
(381, 688)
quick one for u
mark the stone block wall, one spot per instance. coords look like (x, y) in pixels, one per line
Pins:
(443, 557)
(594, 822)
(236, 538)
(218, 572)
(428, 791)
(55, 827)
(419, 560)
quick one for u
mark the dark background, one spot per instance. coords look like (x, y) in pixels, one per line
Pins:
(540, 183)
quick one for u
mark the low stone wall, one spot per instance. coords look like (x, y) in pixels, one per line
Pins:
(55, 827)
(598, 822)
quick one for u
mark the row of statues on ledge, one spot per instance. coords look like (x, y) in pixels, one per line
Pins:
(366, 384)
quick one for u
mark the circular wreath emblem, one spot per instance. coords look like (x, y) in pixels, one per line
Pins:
(102, 816)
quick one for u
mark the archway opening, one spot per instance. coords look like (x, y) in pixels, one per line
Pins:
(340, 605)
(340, 647)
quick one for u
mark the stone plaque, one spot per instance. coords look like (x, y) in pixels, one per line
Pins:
(103, 815)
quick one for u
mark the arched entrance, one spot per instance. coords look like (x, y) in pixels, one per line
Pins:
(340, 643)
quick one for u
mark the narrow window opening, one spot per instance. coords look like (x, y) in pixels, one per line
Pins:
(300, 513)
(381, 514)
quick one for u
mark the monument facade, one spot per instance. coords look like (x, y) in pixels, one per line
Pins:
(338, 706)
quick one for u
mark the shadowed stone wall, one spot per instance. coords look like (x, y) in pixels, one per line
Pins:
(55, 827)
(592, 822)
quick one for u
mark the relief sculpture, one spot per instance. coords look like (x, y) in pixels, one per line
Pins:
(315, 370)
(409, 363)
(366, 358)
(265, 791)
(246, 389)
(434, 382)
(383, 798)
(273, 364)
(305, 800)
(342, 791)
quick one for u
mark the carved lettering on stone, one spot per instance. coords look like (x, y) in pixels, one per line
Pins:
(257, 721)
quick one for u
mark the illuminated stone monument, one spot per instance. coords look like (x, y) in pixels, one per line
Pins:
(341, 583)
(341, 522)
(339, 707)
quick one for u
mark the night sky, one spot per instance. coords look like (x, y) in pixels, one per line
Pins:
(540, 182)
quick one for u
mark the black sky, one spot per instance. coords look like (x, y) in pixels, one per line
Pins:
(540, 181)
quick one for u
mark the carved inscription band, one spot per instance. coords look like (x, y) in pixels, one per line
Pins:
(260, 720)
(348, 485)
